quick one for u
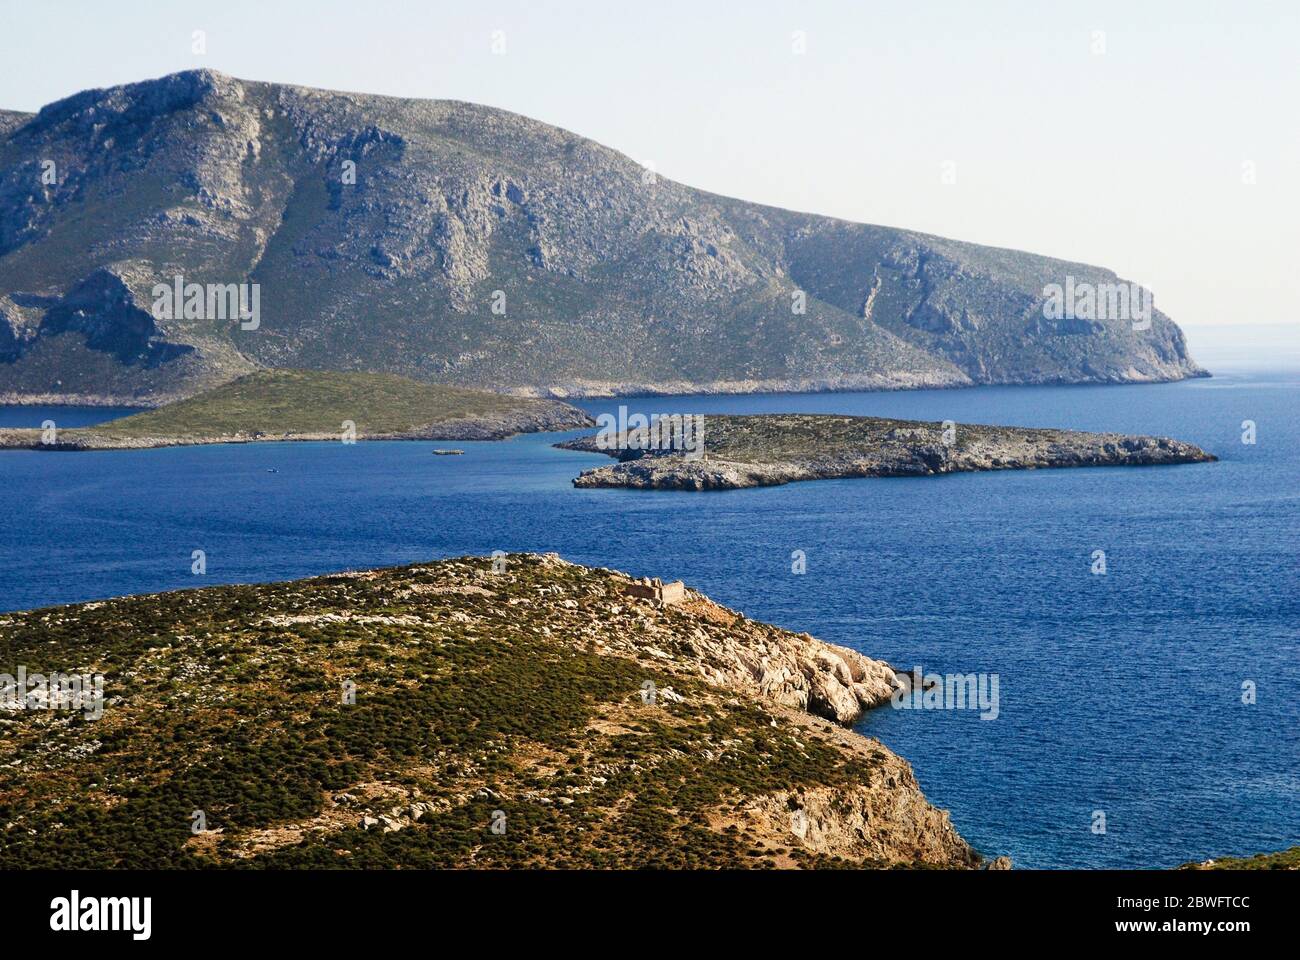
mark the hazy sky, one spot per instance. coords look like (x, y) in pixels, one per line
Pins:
(1130, 147)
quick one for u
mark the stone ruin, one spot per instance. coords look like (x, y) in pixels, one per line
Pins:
(660, 593)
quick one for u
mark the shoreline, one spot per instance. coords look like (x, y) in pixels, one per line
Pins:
(629, 390)
(20, 438)
(866, 384)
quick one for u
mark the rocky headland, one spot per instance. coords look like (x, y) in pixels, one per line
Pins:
(522, 711)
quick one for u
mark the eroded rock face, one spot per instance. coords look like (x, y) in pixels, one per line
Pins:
(793, 669)
(381, 232)
(11, 339)
(103, 309)
(872, 823)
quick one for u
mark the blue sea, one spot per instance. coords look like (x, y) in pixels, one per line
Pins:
(1119, 694)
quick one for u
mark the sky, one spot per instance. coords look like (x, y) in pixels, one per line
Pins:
(1160, 139)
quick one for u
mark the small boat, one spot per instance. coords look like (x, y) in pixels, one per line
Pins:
(447, 453)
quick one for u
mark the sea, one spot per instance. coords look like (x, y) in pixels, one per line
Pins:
(1147, 705)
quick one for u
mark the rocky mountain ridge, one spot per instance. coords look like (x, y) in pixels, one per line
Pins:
(460, 244)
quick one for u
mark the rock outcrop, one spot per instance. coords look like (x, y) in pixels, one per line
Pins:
(793, 669)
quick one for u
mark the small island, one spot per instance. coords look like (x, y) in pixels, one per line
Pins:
(732, 452)
(508, 711)
(315, 405)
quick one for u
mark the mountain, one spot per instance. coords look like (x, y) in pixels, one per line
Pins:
(459, 244)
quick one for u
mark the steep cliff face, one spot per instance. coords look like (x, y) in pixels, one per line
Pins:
(517, 711)
(463, 244)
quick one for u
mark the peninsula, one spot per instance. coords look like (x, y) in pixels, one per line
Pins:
(477, 712)
(730, 452)
(315, 405)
